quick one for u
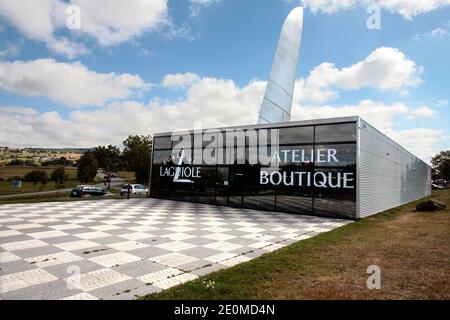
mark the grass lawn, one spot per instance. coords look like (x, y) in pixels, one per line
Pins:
(27, 187)
(128, 176)
(411, 248)
(12, 171)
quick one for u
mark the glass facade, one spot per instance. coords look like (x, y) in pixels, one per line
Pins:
(300, 169)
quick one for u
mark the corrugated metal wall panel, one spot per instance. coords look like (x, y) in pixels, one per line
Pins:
(389, 175)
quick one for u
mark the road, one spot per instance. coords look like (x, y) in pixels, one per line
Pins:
(100, 174)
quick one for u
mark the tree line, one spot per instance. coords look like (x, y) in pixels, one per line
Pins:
(135, 156)
(440, 165)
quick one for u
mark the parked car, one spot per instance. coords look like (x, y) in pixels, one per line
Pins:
(80, 191)
(437, 186)
(135, 190)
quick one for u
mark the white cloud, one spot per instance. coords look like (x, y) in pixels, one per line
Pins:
(170, 30)
(420, 141)
(35, 20)
(422, 112)
(115, 21)
(214, 102)
(377, 114)
(437, 33)
(384, 69)
(180, 80)
(32, 18)
(407, 8)
(110, 22)
(71, 84)
(198, 5)
(442, 102)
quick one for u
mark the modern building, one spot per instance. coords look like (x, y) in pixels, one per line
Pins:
(341, 167)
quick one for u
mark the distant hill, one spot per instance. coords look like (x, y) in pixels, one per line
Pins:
(59, 150)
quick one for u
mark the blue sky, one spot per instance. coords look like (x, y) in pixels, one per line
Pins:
(165, 64)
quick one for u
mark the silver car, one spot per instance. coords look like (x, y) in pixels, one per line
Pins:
(136, 190)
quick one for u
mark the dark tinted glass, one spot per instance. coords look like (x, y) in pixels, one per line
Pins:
(268, 136)
(294, 201)
(231, 156)
(160, 189)
(336, 132)
(297, 135)
(336, 155)
(163, 142)
(203, 194)
(222, 176)
(334, 192)
(182, 141)
(180, 191)
(296, 155)
(207, 176)
(309, 178)
(222, 196)
(162, 156)
(259, 198)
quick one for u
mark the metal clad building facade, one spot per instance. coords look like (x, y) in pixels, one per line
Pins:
(329, 167)
(389, 175)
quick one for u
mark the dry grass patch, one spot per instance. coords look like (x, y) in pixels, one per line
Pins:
(411, 248)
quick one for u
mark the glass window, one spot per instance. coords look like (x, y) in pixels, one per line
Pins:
(160, 189)
(207, 176)
(296, 155)
(156, 174)
(222, 196)
(162, 157)
(205, 140)
(209, 156)
(259, 198)
(234, 138)
(336, 155)
(251, 137)
(297, 135)
(210, 139)
(222, 176)
(203, 194)
(268, 136)
(299, 201)
(180, 191)
(163, 142)
(198, 140)
(231, 156)
(334, 192)
(306, 178)
(183, 141)
(336, 132)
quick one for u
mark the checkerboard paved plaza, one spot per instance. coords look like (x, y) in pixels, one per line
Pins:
(116, 249)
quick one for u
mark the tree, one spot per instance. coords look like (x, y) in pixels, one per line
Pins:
(108, 157)
(59, 175)
(441, 164)
(136, 156)
(36, 176)
(62, 161)
(87, 167)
